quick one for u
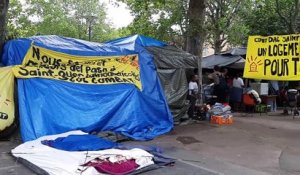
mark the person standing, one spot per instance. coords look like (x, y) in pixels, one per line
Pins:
(273, 90)
(238, 82)
(220, 84)
(236, 93)
(192, 95)
(215, 75)
(224, 84)
(274, 87)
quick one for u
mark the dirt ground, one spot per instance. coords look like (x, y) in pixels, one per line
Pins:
(255, 144)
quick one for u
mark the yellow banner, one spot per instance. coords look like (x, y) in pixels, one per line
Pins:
(7, 105)
(273, 57)
(44, 63)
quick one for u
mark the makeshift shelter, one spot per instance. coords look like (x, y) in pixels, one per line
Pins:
(50, 106)
(241, 51)
(171, 65)
(233, 58)
(210, 61)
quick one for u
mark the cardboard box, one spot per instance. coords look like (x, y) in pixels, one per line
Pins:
(260, 88)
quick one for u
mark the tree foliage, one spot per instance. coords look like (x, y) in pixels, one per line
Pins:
(60, 17)
(224, 24)
(273, 17)
(169, 20)
(162, 19)
(18, 23)
(227, 22)
(288, 12)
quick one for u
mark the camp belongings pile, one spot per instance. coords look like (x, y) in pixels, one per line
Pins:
(221, 114)
(77, 152)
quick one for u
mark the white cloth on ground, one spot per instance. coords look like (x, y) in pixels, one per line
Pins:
(61, 162)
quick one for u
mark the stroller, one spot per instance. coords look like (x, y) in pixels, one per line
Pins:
(208, 96)
(292, 100)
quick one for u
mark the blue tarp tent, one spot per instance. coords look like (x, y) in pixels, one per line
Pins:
(52, 106)
(172, 65)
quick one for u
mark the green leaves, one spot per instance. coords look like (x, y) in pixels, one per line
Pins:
(224, 24)
(161, 19)
(227, 22)
(59, 17)
(273, 17)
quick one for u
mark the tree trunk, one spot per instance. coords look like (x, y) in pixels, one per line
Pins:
(196, 34)
(218, 48)
(3, 12)
(217, 44)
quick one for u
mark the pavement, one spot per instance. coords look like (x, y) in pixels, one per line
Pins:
(256, 144)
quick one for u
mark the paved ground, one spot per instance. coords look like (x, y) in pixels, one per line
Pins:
(253, 145)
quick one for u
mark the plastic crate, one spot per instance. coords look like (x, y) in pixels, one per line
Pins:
(220, 120)
(261, 108)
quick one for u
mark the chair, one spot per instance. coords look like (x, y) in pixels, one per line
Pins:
(296, 111)
(208, 96)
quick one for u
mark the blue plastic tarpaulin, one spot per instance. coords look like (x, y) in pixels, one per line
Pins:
(83, 142)
(53, 106)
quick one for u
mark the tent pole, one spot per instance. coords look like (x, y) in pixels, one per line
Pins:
(199, 59)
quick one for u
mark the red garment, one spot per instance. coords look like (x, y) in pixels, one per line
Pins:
(119, 168)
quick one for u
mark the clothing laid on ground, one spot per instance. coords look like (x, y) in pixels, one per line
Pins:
(158, 157)
(55, 161)
(118, 168)
(88, 142)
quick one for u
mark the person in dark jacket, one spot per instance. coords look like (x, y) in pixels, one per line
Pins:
(220, 84)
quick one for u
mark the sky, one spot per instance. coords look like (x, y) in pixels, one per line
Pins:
(119, 15)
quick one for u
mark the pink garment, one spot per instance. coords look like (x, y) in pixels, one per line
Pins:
(119, 168)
